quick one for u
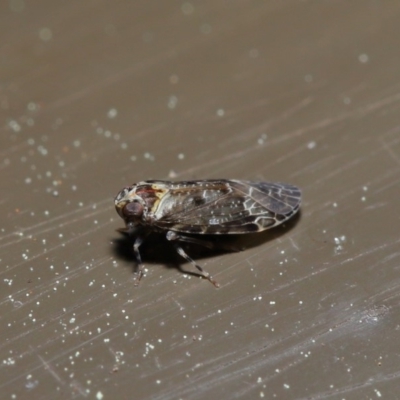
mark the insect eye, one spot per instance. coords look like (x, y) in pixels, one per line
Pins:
(133, 209)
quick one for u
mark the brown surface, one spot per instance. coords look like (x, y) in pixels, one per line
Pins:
(295, 91)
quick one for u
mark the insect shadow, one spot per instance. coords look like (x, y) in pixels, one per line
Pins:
(158, 250)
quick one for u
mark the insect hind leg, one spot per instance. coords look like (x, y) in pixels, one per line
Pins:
(173, 237)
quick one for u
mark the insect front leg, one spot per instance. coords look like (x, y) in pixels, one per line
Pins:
(174, 238)
(140, 267)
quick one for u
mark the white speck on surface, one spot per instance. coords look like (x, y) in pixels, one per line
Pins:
(149, 156)
(174, 79)
(172, 102)
(8, 361)
(308, 78)
(205, 28)
(42, 150)
(112, 113)
(32, 106)
(45, 34)
(220, 112)
(14, 125)
(99, 396)
(17, 5)
(261, 140)
(363, 58)
(148, 37)
(254, 53)
(311, 145)
(187, 8)
(346, 100)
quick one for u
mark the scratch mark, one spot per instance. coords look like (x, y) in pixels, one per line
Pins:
(48, 367)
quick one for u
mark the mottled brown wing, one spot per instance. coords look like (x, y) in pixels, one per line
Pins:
(226, 206)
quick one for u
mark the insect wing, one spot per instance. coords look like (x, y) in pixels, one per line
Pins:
(189, 206)
(278, 198)
(225, 207)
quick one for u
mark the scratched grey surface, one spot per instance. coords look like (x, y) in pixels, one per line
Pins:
(97, 95)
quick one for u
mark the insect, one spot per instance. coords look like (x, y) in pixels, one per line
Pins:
(188, 209)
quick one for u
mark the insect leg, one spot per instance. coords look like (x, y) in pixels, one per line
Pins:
(139, 273)
(172, 236)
